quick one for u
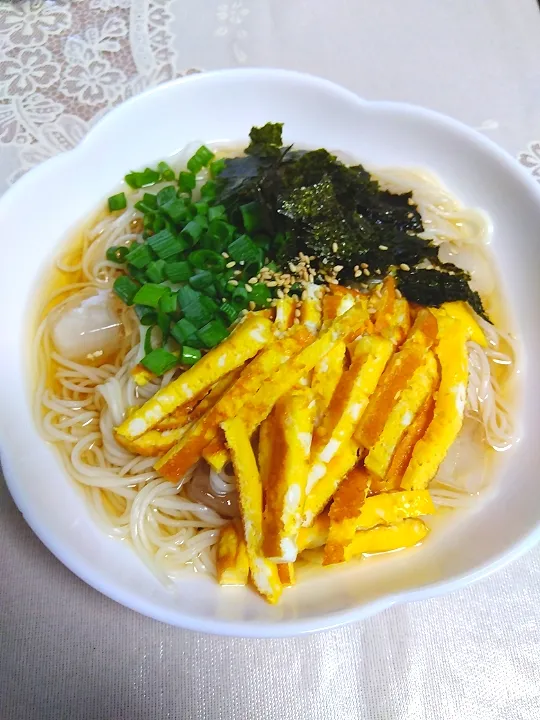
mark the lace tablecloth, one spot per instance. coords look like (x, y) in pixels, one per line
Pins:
(68, 652)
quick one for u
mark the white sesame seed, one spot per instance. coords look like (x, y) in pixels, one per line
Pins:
(230, 264)
(357, 273)
(225, 255)
(338, 268)
(252, 280)
(334, 247)
(233, 282)
(383, 247)
(280, 294)
(366, 272)
(405, 267)
(248, 287)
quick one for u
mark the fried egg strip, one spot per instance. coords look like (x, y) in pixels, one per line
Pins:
(345, 514)
(285, 308)
(157, 442)
(431, 449)
(241, 345)
(326, 376)
(292, 428)
(232, 562)
(264, 573)
(422, 385)
(311, 307)
(191, 446)
(396, 378)
(357, 384)
(461, 312)
(287, 574)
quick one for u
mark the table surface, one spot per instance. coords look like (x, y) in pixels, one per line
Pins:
(69, 652)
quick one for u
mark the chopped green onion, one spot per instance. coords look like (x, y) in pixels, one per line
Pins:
(147, 204)
(165, 195)
(149, 294)
(243, 248)
(148, 340)
(155, 271)
(221, 231)
(125, 288)
(187, 296)
(252, 216)
(191, 232)
(165, 244)
(212, 333)
(200, 311)
(216, 212)
(201, 207)
(229, 311)
(168, 303)
(176, 209)
(139, 256)
(148, 220)
(207, 260)
(167, 173)
(159, 223)
(117, 254)
(136, 274)
(201, 220)
(159, 361)
(209, 190)
(146, 315)
(260, 295)
(178, 272)
(142, 179)
(183, 330)
(201, 159)
(117, 202)
(201, 280)
(164, 324)
(216, 167)
(189, 355)
(240, 297)
(186, 182)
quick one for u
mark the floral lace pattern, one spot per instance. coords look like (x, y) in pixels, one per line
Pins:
(64, 63)
(531, 159)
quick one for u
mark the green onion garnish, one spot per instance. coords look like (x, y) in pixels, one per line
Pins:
(252, 216)
(215, 212)
(159, 361)
(202, 207)
(189, 355)
(260, 295)
(186, 182)
(165, 195)
(149, 294)
(142, 179)
(168, 303)
(117, 202)
(167, 173)
(176, 209)
(178, 272)
(146, 315)
(212, 333)
(165, 244)
(221, 231)
(117, 254)
(125, 288)
(201, 159)
(148, 340)
(139, 256)
(183, 331)
(155, 271)
(191, 232)
(164, 324)
(201, 280)
(216, 167)
(209, 190)
(243, 248)
(207, 260)
(229, 311)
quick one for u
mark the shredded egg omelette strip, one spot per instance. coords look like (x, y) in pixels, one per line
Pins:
(345, 514)
(392, 314)
(263, 572)
(431, 449)
(421, 386)
(311, 307)
(241, 345)
(287, 574)
(350, 399)
(396, 377)
(285, 309)
(327, 374)
(381, 538)
(292, 426)
(158, 442)
(388, 508)
(461, 312)
(232, 562)
(191, 446)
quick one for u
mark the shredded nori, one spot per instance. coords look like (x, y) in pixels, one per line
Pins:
(311, 202)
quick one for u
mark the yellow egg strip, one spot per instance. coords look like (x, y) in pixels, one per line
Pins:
(191, 446)
(447, 421)
(420, 388)
(461, 312)
(264, 573)
(311, 307)
(292, 428)
(285, 308)
(326, 376)
(232, 562)
(287, 574)
(245, 342)
(388, 508)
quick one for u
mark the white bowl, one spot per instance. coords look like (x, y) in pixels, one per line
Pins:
(38, 212)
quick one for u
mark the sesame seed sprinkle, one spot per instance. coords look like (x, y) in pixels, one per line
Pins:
(405, 267)
(230, 264)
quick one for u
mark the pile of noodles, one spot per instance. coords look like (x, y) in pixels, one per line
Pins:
(78, 407)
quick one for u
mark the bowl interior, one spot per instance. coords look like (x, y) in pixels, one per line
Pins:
(49, 202)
